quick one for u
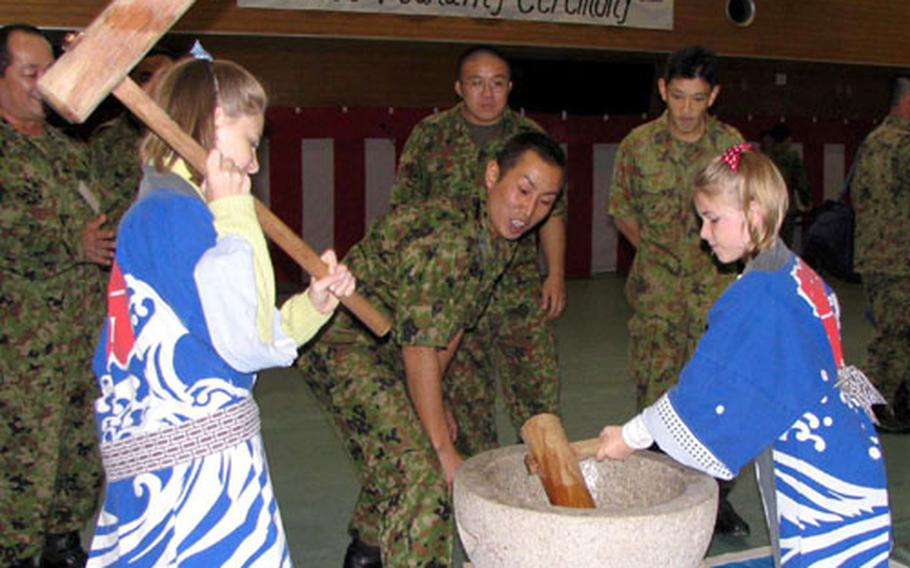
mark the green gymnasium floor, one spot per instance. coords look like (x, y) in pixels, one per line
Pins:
(315, 483)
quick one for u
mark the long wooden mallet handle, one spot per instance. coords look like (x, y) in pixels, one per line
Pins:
(557, 462)
(135, 99)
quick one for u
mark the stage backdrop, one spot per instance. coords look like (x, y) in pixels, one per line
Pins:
(327, 172)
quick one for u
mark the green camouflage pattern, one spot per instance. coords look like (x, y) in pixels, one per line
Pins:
(791, 167)
(431, 266)
(888, 353)
(440, 159)
(881, 197)
(524, 359)
(49, 468)
(880, 191)
(514, 340)
(674, 278)
(114, 159)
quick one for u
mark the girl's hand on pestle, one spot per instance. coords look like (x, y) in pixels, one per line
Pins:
(612, 444)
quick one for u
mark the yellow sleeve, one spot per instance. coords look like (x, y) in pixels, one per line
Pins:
(237, 216)
(300, 320)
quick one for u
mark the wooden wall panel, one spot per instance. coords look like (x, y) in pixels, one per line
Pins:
(845, 31)
(322, 72)
(306, 68)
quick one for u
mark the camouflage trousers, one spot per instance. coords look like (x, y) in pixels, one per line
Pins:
(514, 342)
(888, 355)
(659, 347)
(50, 472)
(404, 504)
(669, 319)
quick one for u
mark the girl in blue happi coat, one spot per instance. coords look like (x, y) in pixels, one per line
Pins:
(768, 383)
(191, 320)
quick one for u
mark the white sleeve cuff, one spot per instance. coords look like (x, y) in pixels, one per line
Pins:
(635, 434)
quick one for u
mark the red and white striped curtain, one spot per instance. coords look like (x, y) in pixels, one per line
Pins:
(327, 172)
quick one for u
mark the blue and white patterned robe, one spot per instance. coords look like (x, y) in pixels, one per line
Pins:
(764, 375)
(181, 342)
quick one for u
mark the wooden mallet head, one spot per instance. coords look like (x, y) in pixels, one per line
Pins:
(111, 46)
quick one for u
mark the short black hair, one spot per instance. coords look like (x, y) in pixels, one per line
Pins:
(478, 50)
(900, 86)
(5, 33)
(780, 132)
(693, 62)
(542, 145)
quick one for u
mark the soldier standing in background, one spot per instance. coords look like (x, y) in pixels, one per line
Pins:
(50, 472)
(432, 266)
(445, 156)
(674, 279)
(777, 144)
(114, 146)
(881, 196)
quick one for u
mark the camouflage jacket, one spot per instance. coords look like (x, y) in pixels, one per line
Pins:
(114, 158)
(441, 160)
(41, 219)
(881, 196)
(791, 167)
(652, 184)
(432, 266)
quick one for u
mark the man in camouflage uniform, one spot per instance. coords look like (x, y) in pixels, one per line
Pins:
(777, 144)
(431, 265)
(881, 197)
(674, 279)
(445, 156)
(49, 469)
(114, 146)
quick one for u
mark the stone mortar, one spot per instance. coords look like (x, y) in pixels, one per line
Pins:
(651, 512)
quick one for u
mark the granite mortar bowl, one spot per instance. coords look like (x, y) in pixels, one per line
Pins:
(650, 512)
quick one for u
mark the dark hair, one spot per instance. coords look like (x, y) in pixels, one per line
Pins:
(142, 74)
(475, 50)
(693, 62)
(779, 132)
(5, 33)
(899, 88)
(542, 145)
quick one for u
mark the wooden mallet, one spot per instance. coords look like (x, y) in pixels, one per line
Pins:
(99, 64)
(556, 462)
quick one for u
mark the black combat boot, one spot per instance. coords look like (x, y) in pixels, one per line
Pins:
(894, 418)
(362, 555)
(728, 522)
(63, 551)
(15, 562)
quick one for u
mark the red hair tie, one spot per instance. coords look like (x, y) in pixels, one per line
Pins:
(733, 154)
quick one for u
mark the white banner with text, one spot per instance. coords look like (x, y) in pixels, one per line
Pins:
(649, 14)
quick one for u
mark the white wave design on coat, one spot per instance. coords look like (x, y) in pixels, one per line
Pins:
(182, 500)
(837, 502)
(170, 401)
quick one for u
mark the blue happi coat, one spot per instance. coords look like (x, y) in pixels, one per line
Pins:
(168, 354)
(764, 376)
